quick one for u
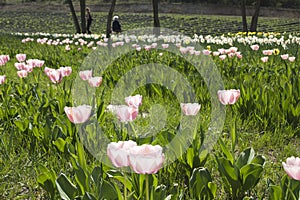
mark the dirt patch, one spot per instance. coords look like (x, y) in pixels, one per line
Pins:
(198, 9)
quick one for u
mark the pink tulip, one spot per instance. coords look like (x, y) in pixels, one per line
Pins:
(239, 55)
(147, 47)
(28, 68)
(165, 46)
(47, 70)
(222, 51)
(146, 159)
(190, 108)
(78, 114)
(292, 167)
(20, 66)
(95, 81)
(126, 113)
(254, 47)
(228, 96)
(85, 75)
(2, 79)
(292, 59)
(267, 52)
(134, 101)
(233, 49)
(216, 53)
(183, 50)
(206, 52)
(4, 59)
(21, 57)
(22, 73)
(65, 71)
(222, 57)
(55, 76)
(118, 152)
(284, 56)
(264, 59)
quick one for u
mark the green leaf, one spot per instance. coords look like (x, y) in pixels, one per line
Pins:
(88, 196)
(60, 144)
(190, 157)
(22, 125)
(46, 183)
(259, 159)
(213, 188)
(199, 181)
(225, 151)
(251, 174)
(108, 191)
(82, 179)
(81, 155)
(66, 189)
(275, 192)
(245, 157)
(229, 172)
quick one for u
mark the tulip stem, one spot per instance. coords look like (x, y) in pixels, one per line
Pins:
(147, 186)
(125, 189)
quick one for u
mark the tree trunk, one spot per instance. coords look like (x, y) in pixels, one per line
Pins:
(109, 17)
(254, 20)
(75, 20)
(155, 16)
(82, 13)
(244, 16)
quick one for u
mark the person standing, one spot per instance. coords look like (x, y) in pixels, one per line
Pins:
(116, 27)
(89, 20)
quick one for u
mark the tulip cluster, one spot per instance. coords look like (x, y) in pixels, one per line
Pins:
(129, 112)
(87, 75)
(26, 66)
(4, 59)
(144, 159)
(56, 75)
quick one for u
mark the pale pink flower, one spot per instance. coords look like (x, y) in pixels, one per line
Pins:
(153, 45)
(216, 53)
(292, 58)
(4, 59)
(39, 63)
(147, 47)
(55, 76)
(197, 53)
(67, 48)
(21, 57)
(138, 48)
(22, 73)
(228, 96)
(206, 52)
(20, 66)
(190, 108)
(79, 114)
(267, 52)
(134, 101)
(264, 59)
(165, 46)
(65, 71)
(47, 70)
(95, 81)
(222, 57)
(222, 51)
(255, 47)
(28, 68)
(118, 152)
(2, 79)
(85, 75)
(231, 55)
(146, 159)
(183, 50)
(292, 167)
(233, 49)
(126, 113)
(284, 56)
(238, 55)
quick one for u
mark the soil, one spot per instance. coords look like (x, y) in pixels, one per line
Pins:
(202, 9)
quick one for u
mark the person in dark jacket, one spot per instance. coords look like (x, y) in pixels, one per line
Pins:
(89, 20)
(116, 27)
